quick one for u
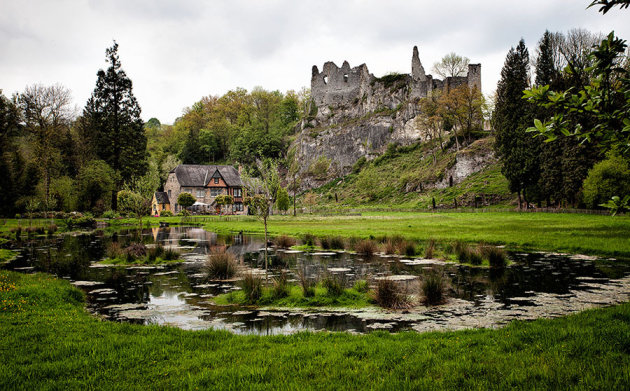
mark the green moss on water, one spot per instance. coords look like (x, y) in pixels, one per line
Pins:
(350, 298)
(123, 261)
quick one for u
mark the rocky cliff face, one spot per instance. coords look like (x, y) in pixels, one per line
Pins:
(355, 114)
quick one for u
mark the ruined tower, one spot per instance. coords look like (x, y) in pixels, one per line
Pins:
(417, 71)
(474, 76)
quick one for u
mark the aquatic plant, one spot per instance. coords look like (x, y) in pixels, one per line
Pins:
(284, 241)
(361, 286)
(308, 285)
(136, 250)
(52, 228)
(429, 249)
(324, 242)
(466, 254)
(281, 286)
(334, 284)
(433, 286)
(366, 247)
(309, 239)
(252, 287)
(388, 294)
(221, 265)
(389, 247)
(337, 243)
(496, 256)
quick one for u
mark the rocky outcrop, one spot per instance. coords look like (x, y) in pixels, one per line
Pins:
(355, 114)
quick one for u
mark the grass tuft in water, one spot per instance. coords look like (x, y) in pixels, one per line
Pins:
(221, 265)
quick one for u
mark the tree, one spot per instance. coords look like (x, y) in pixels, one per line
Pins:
(95, 183)
(294, 175)
(451, 65)
(113, 118)
(608, 178)
(282, 202)
(186, 200)
(224, 200)
(10, 119)
(47, 115)
(132, 203)
(517, 150)
(598, 112)
(262, 193)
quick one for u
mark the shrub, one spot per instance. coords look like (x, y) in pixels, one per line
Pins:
(110, 214)
(308, 286)
(361, 286)
(221, 265)
(184, 213)
(86, 221)
(136, 250)
(366, 247)
(337, 243)
(114, 250)
(324, 242)
(495, 256)
(334, 284)
(430, 249)
(170, 254)
(280, 286)
(284, 241)
(252, 287)
(433, 287)
(309, 239)
(166, 213)
(608, 178)
(389, 295)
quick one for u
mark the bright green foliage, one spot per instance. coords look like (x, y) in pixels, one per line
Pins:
(185, 199)
(617, 204)
(224, 199)
(451, 64)
(282, 202)
(113, 121)
(583, 351)
(95, 184)
(598, 112)
(608, 178)
(131, 203)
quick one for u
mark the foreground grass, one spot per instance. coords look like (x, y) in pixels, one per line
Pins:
(49, 341)
(350, 298)
(575, 233)
(6, 255)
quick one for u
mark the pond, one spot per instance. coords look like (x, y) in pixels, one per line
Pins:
(535, 285)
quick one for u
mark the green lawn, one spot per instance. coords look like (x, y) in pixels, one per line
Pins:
(576, 233)
(48, 341)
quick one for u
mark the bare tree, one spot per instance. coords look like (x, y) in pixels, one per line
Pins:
(47, 113)
(451, 65)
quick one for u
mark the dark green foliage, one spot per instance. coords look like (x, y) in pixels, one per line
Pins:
(467, 254)
(337, 242)
(221, 265)
(112, 116)
(391, 79)
(334, 284)
(186, 200)
(324, 242)
(388, 294)
(358, 165)
(309, 239)
(433, 286)
(166, 213)
(282, 200)
(496, 256)
(517, 150)
(95, 184)
(252, 287)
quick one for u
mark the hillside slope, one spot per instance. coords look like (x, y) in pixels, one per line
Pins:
(411, 177)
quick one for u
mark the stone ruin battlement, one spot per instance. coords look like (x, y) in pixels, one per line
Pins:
(346, 86)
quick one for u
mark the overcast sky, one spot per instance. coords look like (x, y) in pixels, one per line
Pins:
(176, 52)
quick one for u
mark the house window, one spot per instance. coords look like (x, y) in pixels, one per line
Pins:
(216, 181)
(169, 194)
(215, 192)
(237, 207)
(238, 192)
(201, 193)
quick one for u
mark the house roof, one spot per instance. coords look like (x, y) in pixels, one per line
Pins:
(161, 197)
(196, 175)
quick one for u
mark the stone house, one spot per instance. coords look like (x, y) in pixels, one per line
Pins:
(205, 183)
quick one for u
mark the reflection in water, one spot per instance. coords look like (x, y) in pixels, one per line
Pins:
(180, 295)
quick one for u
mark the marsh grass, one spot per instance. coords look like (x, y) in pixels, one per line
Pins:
(252, 287)
(467, 254)
(284, 241)
(334, 284)
(588, 350)
(366, 247)
(388, 294)
(337, 243)
(433, 287)
(309, 239)
(429, 250)
(221, 265)
(361, 286)
(495, 256)
(281, 286)
(308, 285)
(324, 243)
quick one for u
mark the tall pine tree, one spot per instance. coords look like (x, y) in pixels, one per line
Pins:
(115, 127)
(516, 149)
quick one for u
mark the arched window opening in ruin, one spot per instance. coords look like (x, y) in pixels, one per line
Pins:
(345, 77)
(325, 79)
